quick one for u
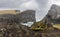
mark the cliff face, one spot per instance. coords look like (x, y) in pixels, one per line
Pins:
(27, 16)
(54, 11)
(53, 15)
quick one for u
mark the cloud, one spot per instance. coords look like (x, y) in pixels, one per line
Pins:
(44, 6)
(29, 5)
(10, 3)
(41, 6)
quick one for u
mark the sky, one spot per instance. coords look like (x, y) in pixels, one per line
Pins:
(41, 6)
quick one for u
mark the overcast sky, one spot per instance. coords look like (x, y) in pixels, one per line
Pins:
(41, 6)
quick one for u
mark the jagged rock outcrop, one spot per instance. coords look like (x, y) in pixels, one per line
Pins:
(27, 16)
(54, 11)
(54, 14)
